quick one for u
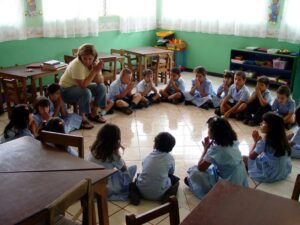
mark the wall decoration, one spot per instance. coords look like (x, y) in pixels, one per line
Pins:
(273, 16)
(31, 8)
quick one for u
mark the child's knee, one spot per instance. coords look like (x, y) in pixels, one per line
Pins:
(121, 103)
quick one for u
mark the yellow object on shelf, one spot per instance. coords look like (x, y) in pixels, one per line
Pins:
(176, 44)
(164, 33)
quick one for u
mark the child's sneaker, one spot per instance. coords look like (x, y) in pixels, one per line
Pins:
(218, 111)
(252, 123)
(245, 121)
(205, 106)
(239, 116)
(134, 194)
(171, 191)
(188, 102)
(126, 110)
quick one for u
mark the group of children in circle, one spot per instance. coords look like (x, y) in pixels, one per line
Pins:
(269, 159)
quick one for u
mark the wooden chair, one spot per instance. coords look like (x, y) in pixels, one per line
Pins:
(296, 191)
(132, 62)
(161, 68)
(63, 139)
(13, 94)
(68, 58)
(120, 57)
(171, 207)
(75, 51)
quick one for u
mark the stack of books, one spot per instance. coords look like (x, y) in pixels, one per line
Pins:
(53, 65)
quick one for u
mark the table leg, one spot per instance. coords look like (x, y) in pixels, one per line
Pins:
(114, 70)
(1, 97)
(41, 87)
(24, 90)
(34, 95)
(140, 68)
(101, 196)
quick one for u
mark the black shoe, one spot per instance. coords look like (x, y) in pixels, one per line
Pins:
(175, 101)
(111, 111)
(163, 99)
(245, 121)
(188, 103)
(126, 110)
(143, 104)
(210, 105)
(134, 194)
(205, 106)
(186, 181)
(218, 111)
(171, 191)
(288, 126)
(252, 123)
(239, 116)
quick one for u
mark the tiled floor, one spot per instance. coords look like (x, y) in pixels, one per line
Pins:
(188, 125)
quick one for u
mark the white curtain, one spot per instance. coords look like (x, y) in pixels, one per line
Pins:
(290, 23)
(235, 17)
(71, 18)
(135, 15)
(12, 20)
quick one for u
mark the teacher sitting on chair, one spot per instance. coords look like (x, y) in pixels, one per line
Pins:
(82, 82)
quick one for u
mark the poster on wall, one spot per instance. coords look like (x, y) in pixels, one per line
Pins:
(31, 7)
(274, 12)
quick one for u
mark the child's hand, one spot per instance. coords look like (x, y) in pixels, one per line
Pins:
(255, 135)
(197, 83)
(206, 143)
(225, 87)
(227, 114)
(130, 86)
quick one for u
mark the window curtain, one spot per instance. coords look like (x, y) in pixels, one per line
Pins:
(12, 22)
(234, 17)
(64, 18)
(135, 15)
(290, 24)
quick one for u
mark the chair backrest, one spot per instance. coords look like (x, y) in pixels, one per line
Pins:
(75, 51)
(63, 139)
(117, 52)
(171, 207)
(296, 191)
(81, 191)
(12, 94)
(68, 58)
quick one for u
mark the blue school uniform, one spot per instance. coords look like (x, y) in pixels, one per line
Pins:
(118, 183)
(226, 164)
(71, 122)
(285, 108)
(267, 96)
(197, 99)
(154, 180)
(115, 89)
(296, 147)
(142, 86)
(216, 100)
(38, 119)
(238, 95)
(180, 84)
(267, 167)
(14, 134)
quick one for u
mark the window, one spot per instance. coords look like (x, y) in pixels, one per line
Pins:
(12, 22)
(215, 16)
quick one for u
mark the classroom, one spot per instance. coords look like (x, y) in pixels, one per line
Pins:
(149, 112)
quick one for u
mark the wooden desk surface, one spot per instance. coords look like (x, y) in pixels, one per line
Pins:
(28, 154)
(25, 194)
(148, 51)
(229, 204)
(20, 72)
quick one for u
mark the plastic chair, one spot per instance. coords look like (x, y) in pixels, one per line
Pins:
(171, 207)
(63, 139)
(296, 191)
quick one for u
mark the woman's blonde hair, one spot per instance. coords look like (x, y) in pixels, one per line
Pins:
(87, 49)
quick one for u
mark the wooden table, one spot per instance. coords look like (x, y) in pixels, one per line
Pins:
(27, 154)
(142, 53)
(26, 194)
(40, 174)
(112, 60)
(228, 204)
(21, 74)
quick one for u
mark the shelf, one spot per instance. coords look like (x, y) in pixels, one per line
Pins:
(255, 67)
(264, 53)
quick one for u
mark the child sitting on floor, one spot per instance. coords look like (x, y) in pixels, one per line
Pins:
(234, 104)
(174, 91)
(284, 105)
(157, 180)
(269, 160)
(105, 151)
(41, 115)
(221, 159)
(201, 92)
(223, 89)
(58, 108)
(121, 93)
(147, 89)
(21, 124)
(295, 138)
(259, 102)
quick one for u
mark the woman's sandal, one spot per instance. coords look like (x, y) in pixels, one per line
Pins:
(86, 125)
(97, 119)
